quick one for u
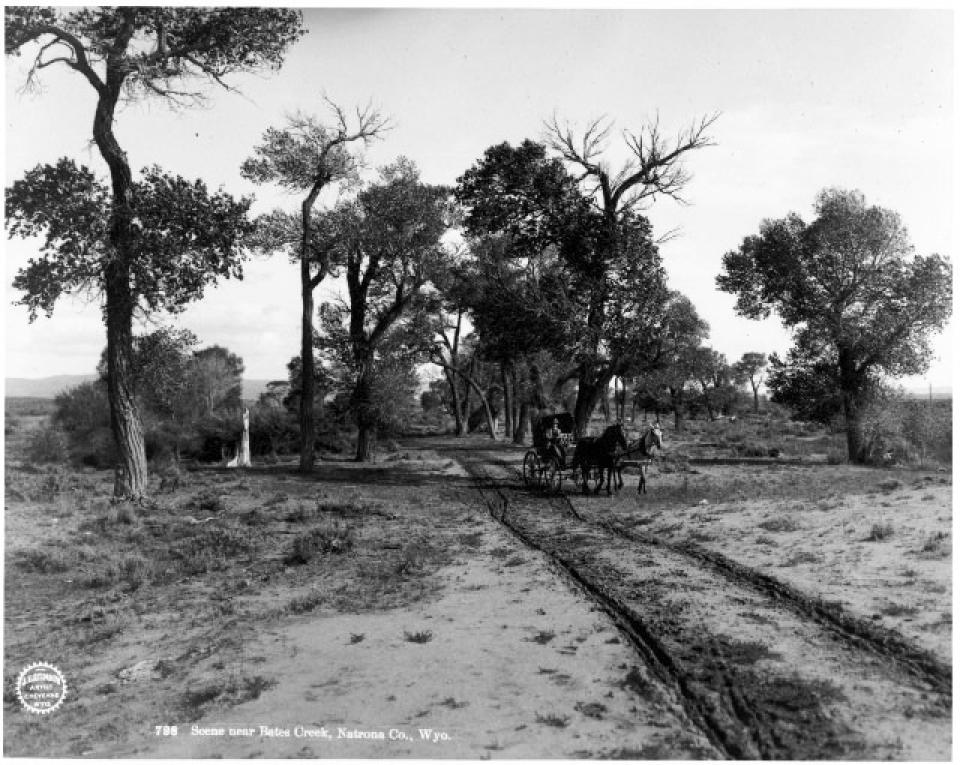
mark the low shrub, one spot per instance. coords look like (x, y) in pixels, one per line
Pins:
(750, 450)
(836, 456)
(48, 444)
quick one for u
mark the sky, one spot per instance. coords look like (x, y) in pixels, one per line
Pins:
(808, 99)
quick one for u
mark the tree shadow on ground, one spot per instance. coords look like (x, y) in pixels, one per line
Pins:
(339, 473)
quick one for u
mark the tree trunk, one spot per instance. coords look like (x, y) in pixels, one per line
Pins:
(537, 397)
(488, 413)
(307, 428)
(517, 398)
(520, 432)
(856, 449)
(676, 400)
(850, 387)
(308, 434)
(756, 398)
(458, 426)
(366, 425)
(589, 394)
(507, 401)
(711, 415)
(465, 412)
(130, 478)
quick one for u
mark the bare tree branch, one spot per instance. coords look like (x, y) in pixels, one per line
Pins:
(656, 167)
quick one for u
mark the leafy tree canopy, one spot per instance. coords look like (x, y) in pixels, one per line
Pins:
(186, 237)
(522, 193)
(849, 279)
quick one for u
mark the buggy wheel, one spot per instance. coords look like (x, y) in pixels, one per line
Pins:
(531, 469)
(553, 477)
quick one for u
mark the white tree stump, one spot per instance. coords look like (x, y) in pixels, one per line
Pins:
(243, 454)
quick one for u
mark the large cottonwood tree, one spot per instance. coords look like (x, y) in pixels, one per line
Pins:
(130, 52)
(655, 168)
(862, 304)
(390, 239)
(308, 155)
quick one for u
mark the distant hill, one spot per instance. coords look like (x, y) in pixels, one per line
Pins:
(43, 387)
(49, 387)
(938, 392)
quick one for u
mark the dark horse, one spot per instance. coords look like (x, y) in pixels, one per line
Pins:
(601, 452)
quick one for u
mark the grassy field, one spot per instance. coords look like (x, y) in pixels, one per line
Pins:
(188, 579)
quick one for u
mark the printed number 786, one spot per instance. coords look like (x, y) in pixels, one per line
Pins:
(165, 730)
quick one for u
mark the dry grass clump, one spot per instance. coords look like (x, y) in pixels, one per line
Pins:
(42, 561)
(542, 637)
(896, 609)
(804, 556)
(553, 720)
(783, 523)
(424, 636)
(122, 512)
(328, 537)
(209, 548)
(879, 532)
(473, 539)
(936, 544)
(227, 692)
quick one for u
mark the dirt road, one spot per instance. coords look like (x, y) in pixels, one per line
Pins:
(764, 671)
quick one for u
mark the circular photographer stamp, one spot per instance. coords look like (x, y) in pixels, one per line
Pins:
(41, 688)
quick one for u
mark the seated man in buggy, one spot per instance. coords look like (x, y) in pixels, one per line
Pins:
(555, 444)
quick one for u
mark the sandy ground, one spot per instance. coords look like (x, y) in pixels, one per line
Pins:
(901, 580)
(513, 662)
(518, 665)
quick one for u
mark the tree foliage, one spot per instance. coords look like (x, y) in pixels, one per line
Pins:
(186, 237)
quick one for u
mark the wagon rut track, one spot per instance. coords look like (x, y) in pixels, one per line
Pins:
(688, 624)
(846, 627)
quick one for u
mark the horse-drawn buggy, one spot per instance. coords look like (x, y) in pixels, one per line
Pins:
(595, 460)
(546, 464)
